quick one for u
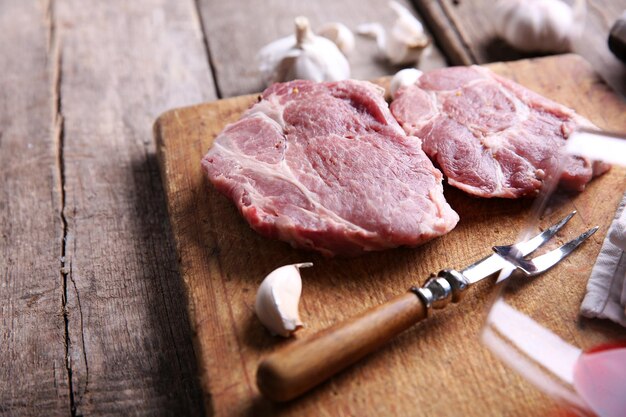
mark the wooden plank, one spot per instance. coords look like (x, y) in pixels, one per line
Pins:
(237, 29)
(122, 63)
(466, 34)
(222, 262)
(445, 33)
(32, 330)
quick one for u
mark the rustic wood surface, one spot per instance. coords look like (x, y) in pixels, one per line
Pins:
(125, 319)
(466, 30)
(92, 312)
(222, 261)
(32, 328)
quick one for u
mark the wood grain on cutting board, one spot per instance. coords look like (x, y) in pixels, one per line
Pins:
(437, 367)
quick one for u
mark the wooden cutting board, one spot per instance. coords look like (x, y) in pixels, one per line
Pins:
(437, 367)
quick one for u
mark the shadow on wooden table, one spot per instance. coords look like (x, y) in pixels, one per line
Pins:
(496, 50)
(167, 327)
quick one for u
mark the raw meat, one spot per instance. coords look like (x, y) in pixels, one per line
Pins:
(325, 166)
(490, 136)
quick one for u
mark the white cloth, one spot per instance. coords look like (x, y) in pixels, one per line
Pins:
(606, 292)
(617, 234)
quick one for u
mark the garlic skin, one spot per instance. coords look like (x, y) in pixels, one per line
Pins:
(339, 34)
(404, 43)
(277, 300)
(304, 56)
(403, 78)
(539, 25)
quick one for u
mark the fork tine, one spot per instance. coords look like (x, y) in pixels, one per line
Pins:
(530, 245)
(546, 261)
(491, 264)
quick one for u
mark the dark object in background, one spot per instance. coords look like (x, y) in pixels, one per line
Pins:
(617, 38)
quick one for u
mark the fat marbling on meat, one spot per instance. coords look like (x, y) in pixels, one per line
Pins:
(490, 136)
(326, 167)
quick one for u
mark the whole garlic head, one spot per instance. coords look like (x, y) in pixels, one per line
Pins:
(277, 300)
(539, 25)
(404, 43)
(303, 56)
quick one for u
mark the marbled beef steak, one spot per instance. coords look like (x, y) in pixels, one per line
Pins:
(325, 166)
(490, 136)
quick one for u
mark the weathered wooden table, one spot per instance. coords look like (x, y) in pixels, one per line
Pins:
(92, 313)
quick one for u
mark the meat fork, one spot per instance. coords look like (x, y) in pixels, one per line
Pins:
(291, 371)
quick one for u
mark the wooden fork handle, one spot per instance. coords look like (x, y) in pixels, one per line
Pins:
(293, 370)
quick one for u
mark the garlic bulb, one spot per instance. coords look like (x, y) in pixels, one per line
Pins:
(405, 42)
(539, 25)
(277, 300)
(403, 78)
(339, 34)
(304, 56)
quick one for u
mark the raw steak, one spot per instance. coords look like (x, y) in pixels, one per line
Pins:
(491, 137)
(325, 166)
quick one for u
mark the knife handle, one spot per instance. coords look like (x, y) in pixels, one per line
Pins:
(293, 370)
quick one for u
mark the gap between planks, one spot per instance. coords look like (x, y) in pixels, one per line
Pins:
(207, 49)
(65, 270)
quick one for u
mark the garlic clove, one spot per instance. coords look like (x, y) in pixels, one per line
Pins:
(339, 34)
(407, 28)
(277, 300)
(404, 78)
(405, 41)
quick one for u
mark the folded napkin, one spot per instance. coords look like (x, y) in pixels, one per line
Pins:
(606, 289)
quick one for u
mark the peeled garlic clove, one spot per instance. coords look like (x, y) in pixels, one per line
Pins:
(277, 300)
(403, 78)
(339, 34)
(304, 56)
(539, 25)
